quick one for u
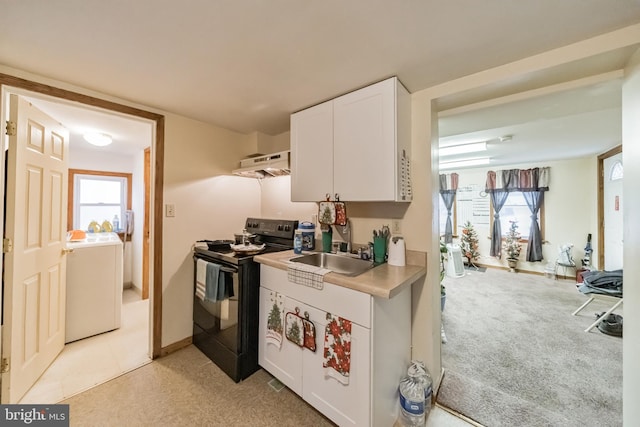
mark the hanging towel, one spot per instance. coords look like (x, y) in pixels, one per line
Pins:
(275, 324)
(201, 278)
(307, 275)
(213, 277)
(337, 348)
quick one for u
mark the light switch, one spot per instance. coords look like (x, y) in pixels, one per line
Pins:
(170, 210)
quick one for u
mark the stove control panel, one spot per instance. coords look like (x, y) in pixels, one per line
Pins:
(281, 228)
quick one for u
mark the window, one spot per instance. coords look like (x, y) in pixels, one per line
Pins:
(97, 196)
(516, 209)
(616, 171)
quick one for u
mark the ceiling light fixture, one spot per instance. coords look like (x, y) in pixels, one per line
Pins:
(98, 139)
(465, 163)
(463, 149)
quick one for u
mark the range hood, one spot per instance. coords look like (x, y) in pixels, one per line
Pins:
(265, 165)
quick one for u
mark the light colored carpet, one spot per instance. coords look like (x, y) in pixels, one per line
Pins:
(187, 389)
(516, 356)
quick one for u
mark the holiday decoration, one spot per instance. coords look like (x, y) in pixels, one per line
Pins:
(469, 243)
(337, 348)
(300, 330)
(274, 321)
(512, 245)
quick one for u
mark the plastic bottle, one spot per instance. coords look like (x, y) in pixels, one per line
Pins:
(116, 223)
(415, 395)
(297, 241)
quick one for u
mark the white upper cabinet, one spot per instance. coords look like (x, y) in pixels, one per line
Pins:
(312, 153)
(357, 146)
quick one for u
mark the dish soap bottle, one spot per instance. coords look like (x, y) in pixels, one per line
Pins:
(116, 223)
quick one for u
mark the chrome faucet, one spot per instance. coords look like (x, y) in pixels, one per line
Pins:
(345, 234)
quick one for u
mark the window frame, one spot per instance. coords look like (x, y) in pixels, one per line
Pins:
(71, 202)
(523, 238)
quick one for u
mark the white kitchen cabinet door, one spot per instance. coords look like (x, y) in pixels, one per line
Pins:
(364, 156)
(312, 153)
(346, 405)
(284, 363)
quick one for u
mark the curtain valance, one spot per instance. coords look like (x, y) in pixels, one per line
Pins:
(448, 182)
(535, 179)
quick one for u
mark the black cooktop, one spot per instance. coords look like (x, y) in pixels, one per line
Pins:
(275, 234)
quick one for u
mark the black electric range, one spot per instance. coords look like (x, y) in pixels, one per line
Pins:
(226, 330)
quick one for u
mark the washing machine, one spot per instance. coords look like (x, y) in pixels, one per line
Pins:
(94, 285)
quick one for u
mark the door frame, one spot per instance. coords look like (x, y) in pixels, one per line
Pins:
(601, 180)
(157, 154)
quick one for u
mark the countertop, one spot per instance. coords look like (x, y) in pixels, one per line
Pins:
(384, 281)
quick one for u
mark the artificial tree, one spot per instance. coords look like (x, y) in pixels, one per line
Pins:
(469, 243)
(512, 245)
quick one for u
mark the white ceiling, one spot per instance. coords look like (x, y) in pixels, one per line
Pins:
(573, 123)
(247, 65)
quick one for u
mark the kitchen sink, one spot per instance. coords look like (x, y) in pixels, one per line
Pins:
(340, 264)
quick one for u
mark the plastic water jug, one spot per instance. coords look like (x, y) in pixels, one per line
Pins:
(308, 230)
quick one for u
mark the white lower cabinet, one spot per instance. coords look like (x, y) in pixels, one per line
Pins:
(380, 349)
(284, 363)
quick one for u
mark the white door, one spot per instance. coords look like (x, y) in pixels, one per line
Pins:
(613, 230)
(285, 362)
(312, 153)
(35, 270)
(364, 143)
(345, 404)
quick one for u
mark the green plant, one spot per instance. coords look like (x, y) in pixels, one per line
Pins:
(512, 245)
(443, 251)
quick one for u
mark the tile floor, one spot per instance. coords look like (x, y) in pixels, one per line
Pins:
(86, 363)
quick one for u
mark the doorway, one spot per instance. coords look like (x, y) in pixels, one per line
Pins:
(610, 230)
(13, 84)
(585, 187)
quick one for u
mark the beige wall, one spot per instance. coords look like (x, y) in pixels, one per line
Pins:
(208, 205)
(275, 201)
(570, 208)
(631, 213)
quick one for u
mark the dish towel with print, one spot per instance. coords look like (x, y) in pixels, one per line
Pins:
(307, 275)
(337, 348)
(275, 322)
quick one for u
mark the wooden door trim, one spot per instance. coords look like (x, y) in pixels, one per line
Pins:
(158, 168)
(145, 225)
(601, 159)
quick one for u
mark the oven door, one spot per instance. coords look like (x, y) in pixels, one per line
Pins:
(218, 320)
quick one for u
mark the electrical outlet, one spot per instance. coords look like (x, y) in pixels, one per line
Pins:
(170, 210)
(395, 226)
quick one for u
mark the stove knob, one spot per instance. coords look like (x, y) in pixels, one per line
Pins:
(287, 228)
(280, 227)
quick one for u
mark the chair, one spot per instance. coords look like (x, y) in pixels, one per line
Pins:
(605, 286)
(601, 297)
(565, 260)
